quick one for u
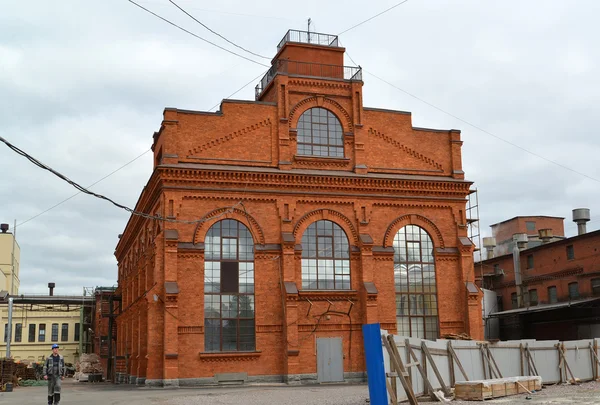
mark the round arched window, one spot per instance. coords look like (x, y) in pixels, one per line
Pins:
(320, 134)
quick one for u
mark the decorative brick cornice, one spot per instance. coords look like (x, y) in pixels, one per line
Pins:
(190, 330)
(220, 357)
(269, 328)
(406, 149)
(320, 83)
(328, 295)
(321, 162)
(236, 134)
(328, 327)
(248, 180)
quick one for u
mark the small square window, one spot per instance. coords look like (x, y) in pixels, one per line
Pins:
(530, 261)
(573, 291)
(552, 296)
(596, 286)
(533, 297)
(530, 225)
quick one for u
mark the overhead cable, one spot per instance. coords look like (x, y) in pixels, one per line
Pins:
(102, 197)
(195, 35)
(216, 33)
(375, 16)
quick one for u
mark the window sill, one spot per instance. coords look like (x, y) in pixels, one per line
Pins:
(229, 356)
(332, 295)
(321, 159)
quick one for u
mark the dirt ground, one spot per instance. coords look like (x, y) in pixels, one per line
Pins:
(109, 394)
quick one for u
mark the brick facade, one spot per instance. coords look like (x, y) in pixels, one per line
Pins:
(241, 163)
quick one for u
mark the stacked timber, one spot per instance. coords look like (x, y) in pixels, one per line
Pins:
(7, 371)
(88, 364)
(479, 390)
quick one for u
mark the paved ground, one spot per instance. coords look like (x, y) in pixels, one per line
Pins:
(108, 394)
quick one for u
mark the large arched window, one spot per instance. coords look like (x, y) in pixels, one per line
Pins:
(325, 257)
(320, 134)
(229, 288)
(414, 275)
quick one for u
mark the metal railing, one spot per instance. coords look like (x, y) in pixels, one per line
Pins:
(305, 37)
(351, 73)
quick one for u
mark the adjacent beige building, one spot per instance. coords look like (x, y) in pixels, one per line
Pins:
(10, 255)
(35, 327)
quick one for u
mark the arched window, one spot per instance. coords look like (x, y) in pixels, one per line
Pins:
(320, 134)
(325, 257)
(229, 288)
(414, 276)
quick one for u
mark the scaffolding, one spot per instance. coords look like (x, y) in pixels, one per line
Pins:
(474, 230)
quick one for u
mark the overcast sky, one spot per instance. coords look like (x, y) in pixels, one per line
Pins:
(83, 85)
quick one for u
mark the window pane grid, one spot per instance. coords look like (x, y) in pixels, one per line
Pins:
(415, 283)
(325, 257)
(229, 317)
(320, 133)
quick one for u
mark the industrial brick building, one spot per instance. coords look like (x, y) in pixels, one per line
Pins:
(290, 221)
(558, 295)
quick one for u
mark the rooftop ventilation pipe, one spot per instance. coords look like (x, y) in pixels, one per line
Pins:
(580, 217)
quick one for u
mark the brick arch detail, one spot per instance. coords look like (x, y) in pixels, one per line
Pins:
(413, 219)
(323, 102)
(325, 214)
(229, 213)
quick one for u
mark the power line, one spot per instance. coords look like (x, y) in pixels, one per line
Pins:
(102, 197)
(79, 192)
(240, 89)
(481, 129)
(214, 32)
(375, 16)
(195, 35)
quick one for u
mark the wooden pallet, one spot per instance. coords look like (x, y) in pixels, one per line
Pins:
(501, 387)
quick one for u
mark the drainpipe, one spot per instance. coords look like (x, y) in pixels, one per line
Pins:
(9, 327)
(520, 241)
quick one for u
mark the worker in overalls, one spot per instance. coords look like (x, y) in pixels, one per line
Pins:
(54, 372)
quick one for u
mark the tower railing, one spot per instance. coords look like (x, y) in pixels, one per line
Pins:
(308, 69)
(306, 37)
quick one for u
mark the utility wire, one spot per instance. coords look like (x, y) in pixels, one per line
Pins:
(214, 32)
(240, 89)
(195, 35)
(375, 16)
(102, 197)
(91, 185)
(483, 130)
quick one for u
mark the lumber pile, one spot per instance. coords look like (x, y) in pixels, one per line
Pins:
(480, 390)
(456, 336)
(88, 368)
(89, 364)
(7, 370)
(24, 372)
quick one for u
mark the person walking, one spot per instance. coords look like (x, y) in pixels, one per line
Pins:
(54, 372)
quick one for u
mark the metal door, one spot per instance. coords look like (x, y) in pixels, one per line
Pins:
(330, 363)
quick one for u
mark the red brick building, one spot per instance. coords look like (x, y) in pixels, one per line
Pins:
(291, 221)
(560, 293)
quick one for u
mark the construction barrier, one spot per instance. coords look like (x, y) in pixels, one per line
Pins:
(416, 367)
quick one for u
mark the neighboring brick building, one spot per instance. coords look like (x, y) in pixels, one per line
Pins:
(503, 231)
(309, 216)
(561, 290)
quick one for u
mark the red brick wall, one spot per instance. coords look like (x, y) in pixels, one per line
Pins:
(551, 268)
(206, 163)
